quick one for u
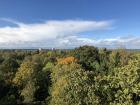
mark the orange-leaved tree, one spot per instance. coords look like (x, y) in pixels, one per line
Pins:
(67, 60)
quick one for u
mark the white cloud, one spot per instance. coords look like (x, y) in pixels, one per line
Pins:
(60, 34)
(131, 42)
(51, 33)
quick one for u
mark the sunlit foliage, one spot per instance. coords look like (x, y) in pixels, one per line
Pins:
(72, 86)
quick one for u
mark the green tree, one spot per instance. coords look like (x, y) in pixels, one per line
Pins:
(121, 87)
(24, 73)
(72, 86)
(28, 92)
(126, 81)
(88, 56)
(31, 76)
(8, 69)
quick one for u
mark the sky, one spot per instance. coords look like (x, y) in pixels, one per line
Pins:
(69, 23)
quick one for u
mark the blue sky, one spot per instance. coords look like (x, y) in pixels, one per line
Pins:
(69, 23)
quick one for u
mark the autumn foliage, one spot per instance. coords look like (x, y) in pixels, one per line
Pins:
(67, 60)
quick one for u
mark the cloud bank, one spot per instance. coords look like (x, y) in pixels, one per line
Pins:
(59, 34)
(50, 33)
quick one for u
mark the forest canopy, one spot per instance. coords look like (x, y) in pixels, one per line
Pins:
(86, 75)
